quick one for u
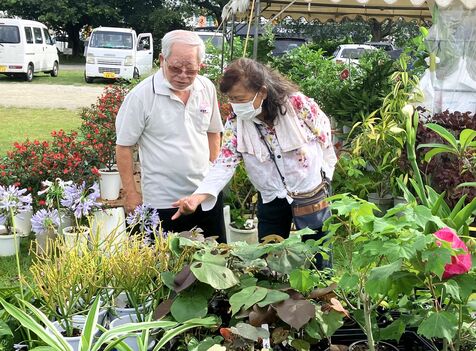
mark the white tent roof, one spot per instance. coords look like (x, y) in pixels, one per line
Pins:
(336, 10)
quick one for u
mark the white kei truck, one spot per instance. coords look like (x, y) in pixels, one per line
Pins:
(118, 53)
(26, 48)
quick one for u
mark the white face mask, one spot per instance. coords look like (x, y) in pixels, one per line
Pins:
(245, 110)
(171, 87)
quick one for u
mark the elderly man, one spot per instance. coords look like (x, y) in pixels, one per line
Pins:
(174, 118)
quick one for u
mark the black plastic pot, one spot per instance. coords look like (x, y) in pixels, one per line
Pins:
(382, 346)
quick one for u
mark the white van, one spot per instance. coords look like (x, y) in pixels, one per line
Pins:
(118, 53)
(26, 48)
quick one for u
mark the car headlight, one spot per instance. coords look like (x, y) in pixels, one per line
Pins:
(90, 58)
(128, 61)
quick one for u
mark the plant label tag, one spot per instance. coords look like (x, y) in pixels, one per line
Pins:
(266, 342)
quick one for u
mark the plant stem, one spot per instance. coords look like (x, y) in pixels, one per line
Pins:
(368, 321)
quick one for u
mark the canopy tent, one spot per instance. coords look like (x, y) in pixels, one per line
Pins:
(337, 10)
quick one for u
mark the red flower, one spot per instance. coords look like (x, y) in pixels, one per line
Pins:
(460, 264)
(344, 74)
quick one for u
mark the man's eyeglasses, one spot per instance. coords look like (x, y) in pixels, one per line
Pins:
(178, 70)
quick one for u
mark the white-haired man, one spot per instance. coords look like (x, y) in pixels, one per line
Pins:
(174, 118)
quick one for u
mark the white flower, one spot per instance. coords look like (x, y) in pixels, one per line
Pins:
(407, 110)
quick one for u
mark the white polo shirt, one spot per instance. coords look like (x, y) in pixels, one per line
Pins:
(172, 137)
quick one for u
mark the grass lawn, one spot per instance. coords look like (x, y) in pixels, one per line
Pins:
(8, 266)
(18, 124)
(65, 77)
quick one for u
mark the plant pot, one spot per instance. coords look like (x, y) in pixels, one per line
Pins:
(383, 203)
(74, 236)
(109, 184)
(120, 309)
(399, 200)
(73, 341)
(248, 235)
(109, 227)
(131, 341)
(44, 240)
(23, 223)
(8, 244)
(361, 345)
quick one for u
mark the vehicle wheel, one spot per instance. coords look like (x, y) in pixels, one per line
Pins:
(54, 71)
(88, 80)
(29, 73)
(136, 73)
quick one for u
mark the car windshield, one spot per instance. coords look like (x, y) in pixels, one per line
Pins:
(9, 34)
(111, 40)
(355, 53)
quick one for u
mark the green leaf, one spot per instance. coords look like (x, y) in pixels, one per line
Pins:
(188, 306)
(394, 331)
(167, 278)
(300, 279)
(445, 134)
(379, 280)
(466, 137)
(330, 321)
(439, 325)
(219, 277)
(247, 298)
(273, 296)
(348, 281)
(436, 260)
(89, 329)
(300, 345)
(250, 332)
(5, 329)
(452, 289)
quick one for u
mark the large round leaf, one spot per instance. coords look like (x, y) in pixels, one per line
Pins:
(219, 277)
(187, 306)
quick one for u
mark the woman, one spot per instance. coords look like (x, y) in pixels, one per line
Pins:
(270, 117)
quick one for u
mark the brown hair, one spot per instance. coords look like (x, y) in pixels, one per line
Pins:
(254, 75)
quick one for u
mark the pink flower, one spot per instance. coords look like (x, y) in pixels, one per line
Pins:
(460, 264)
(297, 102)
(344, 74)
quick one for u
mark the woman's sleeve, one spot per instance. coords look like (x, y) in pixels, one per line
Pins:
(223, 168)
(309, 111)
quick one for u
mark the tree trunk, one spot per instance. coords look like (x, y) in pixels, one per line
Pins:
(73, 34)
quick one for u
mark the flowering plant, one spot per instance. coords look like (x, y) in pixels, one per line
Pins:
(81, 200)
(12, 202)
(45, 220)
(145, 218)
(98, 127)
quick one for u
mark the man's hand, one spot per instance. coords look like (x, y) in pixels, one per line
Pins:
(131, 201)
(188, 205)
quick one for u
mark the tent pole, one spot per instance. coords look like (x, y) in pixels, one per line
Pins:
(255, 42)
(232, 36)
(223, 40)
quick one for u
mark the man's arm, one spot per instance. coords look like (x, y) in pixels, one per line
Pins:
(125, 164)
(214, 141)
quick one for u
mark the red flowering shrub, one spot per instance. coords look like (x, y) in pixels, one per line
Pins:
(98, 128)
(69, 155)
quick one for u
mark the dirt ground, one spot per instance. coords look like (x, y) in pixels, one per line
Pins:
(47, 95)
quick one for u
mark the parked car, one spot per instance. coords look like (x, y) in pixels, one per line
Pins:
(283, 45)
(215, 38)
(118, 53)
(350, 53)
(26, 48)
(384, 45)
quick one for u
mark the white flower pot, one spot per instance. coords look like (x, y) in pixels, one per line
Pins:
(73, 341)
(248, 235)
(120, 310)
(75, 236)
(8, 246)
(44, 241)
(23, 223)
(109, 227)
(131, 341)
(109, 184)
(66, 220)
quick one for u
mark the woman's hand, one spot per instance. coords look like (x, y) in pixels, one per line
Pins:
(187, 205)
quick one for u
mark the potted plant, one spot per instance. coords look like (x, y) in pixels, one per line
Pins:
(13, 201)
(242, 198)
(376, 254)
(80, 201)
(45, 223)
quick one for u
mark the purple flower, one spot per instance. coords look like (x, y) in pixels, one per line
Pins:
(145, 217)
(12, 202)
(44, 220)
(81, 200)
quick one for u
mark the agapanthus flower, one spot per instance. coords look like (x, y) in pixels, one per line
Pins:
(54, 190)
(12, 202)
(81, 200)
(44, 220)
(145, 217)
